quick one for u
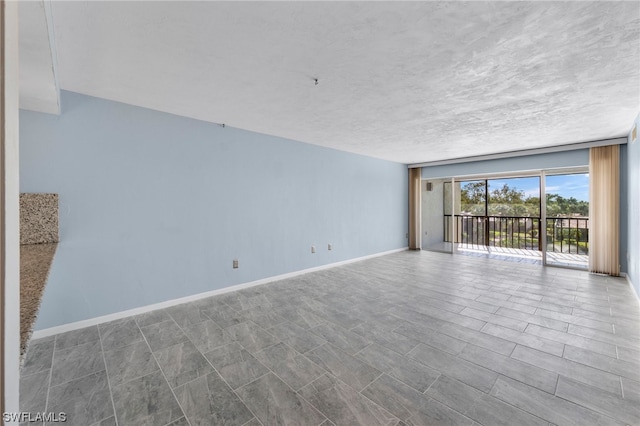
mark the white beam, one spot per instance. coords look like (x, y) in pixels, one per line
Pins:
(9, 207)
(39, 88)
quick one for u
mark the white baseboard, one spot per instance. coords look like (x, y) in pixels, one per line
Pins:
(143, 309)
(633, 289)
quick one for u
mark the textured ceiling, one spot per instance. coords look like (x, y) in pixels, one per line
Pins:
(409, 82)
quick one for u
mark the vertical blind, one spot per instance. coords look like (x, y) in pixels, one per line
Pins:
(604, 210)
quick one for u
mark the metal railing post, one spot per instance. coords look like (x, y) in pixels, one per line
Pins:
(540, 233)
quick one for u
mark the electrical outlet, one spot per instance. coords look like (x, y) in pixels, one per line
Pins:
(313, 249)
(235, 264)
(330, 247)
(406, 235)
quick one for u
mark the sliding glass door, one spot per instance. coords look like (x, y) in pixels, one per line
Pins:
(507, 217)
(567, 219)
(514, 216)
(496, 216)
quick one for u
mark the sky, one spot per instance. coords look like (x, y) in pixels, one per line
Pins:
(567, 186)
(576, 186)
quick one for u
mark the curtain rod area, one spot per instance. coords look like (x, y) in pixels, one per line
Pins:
(521, 153)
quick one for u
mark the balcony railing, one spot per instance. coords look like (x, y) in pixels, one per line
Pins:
(568, 235)
(563, 234)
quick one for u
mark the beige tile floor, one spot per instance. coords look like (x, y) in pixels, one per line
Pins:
(413, 338)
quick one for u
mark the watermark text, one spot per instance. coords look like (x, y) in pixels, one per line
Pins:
(29, 417)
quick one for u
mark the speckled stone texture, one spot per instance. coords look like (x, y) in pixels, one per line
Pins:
(38, 218)
(35, 262)
(38, 238)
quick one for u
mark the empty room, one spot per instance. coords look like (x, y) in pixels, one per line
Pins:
(320, 213)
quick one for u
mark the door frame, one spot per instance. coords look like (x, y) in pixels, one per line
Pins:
(543, 213)
(9, 211)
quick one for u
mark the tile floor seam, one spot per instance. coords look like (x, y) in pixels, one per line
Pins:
(542, 368)
(521, 409)
(234, 390)
(78, 378)
(53, 355)
(279, 378)
(307, 351)
(310, 403)
(356, 353)
(219, 375)
(377, 404)
(432, 383)
(269, 371)
(106, 373)
(531, 412)
(354, 389)
(602, 370)
(164, 376)
(571, 362)
(257, 378)
(133, 378)
(583, 406)
(514, 348)
(369, 384)
(611, 343)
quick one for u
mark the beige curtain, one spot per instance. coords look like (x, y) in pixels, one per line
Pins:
(604, 210)
(414, 208)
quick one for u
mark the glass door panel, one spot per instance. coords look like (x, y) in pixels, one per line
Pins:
(567, 227)
(514, 217)
(471, 215)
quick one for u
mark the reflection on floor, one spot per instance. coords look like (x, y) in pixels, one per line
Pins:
(439, 246)
(534, 257)
(415, 338)
(569, 260)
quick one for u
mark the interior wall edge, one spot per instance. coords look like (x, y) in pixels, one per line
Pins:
(628, 279)
(633, 206)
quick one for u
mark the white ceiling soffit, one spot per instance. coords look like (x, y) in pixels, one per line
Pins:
(39, 89)
(404, 81)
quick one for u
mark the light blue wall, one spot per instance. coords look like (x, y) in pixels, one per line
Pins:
(553, 160)
(624, 207)
(155, 207)
(633, 208)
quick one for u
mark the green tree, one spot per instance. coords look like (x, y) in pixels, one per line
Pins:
(507, 195)
(472, 197)
(508, 201)
(558, 206)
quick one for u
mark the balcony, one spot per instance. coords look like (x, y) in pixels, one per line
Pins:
(518, 238)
